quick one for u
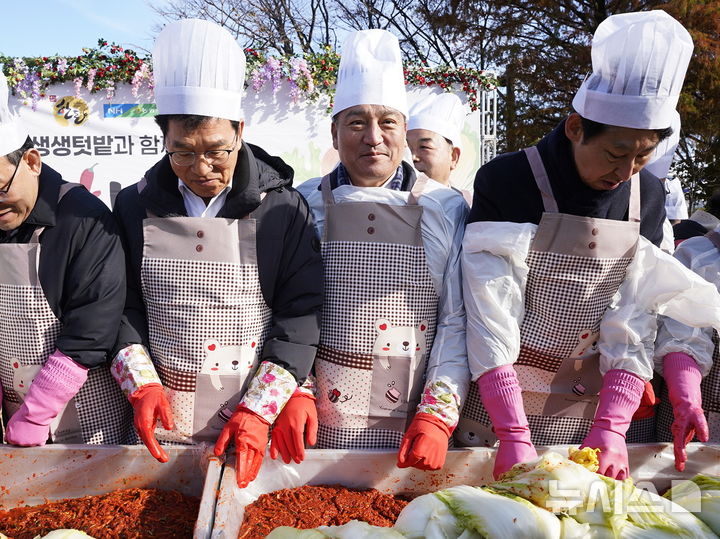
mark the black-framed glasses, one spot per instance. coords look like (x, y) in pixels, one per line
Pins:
(4, 191)
(212, 157)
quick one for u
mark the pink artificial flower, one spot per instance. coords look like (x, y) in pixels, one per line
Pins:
(270, 408)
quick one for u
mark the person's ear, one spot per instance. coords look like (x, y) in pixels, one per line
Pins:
(334, 134)
(573, 128)
(454, 157)
(33, 160)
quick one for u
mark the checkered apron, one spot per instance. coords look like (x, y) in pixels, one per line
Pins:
(99, 413)
(378, 321)
(576, 264)
(709, 389)
(207, 317)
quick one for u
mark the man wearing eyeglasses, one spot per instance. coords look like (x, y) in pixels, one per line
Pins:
(62, 290)
(224, 268)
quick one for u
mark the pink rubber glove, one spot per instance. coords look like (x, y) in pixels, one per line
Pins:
(425, 443)
(249, 431)
(298, 416)
(150, 404)
(501, 395)
(683, 378)
(619, 399)
(58, 381)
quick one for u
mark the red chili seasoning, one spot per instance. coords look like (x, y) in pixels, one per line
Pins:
(312, 506)
(131, 514)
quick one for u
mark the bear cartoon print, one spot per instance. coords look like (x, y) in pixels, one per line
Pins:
(398, 368)
(220, 384)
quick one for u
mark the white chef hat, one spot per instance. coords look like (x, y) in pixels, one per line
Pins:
(441, 113)
(199, 68)
(660, 162)
(639, 62)
(371, 72)
(12, 132)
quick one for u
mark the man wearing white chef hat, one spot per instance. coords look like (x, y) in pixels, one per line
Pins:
(433, 135)
(562, 282)
(224, 269)
(391, 367)
(62, 277)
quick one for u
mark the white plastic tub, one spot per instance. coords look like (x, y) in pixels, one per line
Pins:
(376, 469)
(35, 475)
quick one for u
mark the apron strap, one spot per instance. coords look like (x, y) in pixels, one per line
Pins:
(714, 237)
(417, 189)
(541, 179)
(327, 194)
(634, 207)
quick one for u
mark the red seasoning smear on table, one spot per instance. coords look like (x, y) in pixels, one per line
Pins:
(312, 506)
(130, 514)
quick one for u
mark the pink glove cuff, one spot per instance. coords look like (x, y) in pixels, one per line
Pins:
(679, 364)
(500, 385)
(619, 398)
(61, 375)
(502, 397)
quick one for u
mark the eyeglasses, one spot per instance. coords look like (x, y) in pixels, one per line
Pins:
(4, 192)
(212, 157)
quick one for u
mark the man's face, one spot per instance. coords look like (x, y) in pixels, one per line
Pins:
(370, 140)
(202, 178)
(433, 154)
(611, 158)
(22, 195)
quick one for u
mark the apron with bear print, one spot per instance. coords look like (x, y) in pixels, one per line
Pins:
(207, 317)
(99, 413)
(709, 388)
(378, 321)
(576, 265)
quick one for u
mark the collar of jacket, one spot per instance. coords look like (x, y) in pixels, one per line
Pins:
(255, 173)
(409, 177)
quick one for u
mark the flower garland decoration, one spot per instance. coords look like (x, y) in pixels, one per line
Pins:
(311, 76)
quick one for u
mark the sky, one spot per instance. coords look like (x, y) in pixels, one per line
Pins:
(64, 27)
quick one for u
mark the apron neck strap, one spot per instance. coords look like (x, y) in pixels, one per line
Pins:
(634, 207)
(417, 189)
(415, 194)
(327, 194)
(714, 237)
(541, 179)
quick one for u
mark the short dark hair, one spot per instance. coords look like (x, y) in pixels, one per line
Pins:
(188, 121)
(592, 129)
(14, 157)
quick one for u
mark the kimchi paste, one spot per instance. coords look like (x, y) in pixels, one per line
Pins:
(130, 513)
(312, 506)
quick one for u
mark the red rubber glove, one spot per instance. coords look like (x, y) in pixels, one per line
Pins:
(150, 403)
(648, 402)
(683, 378)
(250, 433)
(299, 415)
(502, 397)
(425, 443)
(619, 399)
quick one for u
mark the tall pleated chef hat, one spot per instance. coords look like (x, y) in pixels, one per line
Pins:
(639, 62)
(12, 132)
(199, 68)
(660, 162)
(371, 72)
(441, 113)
